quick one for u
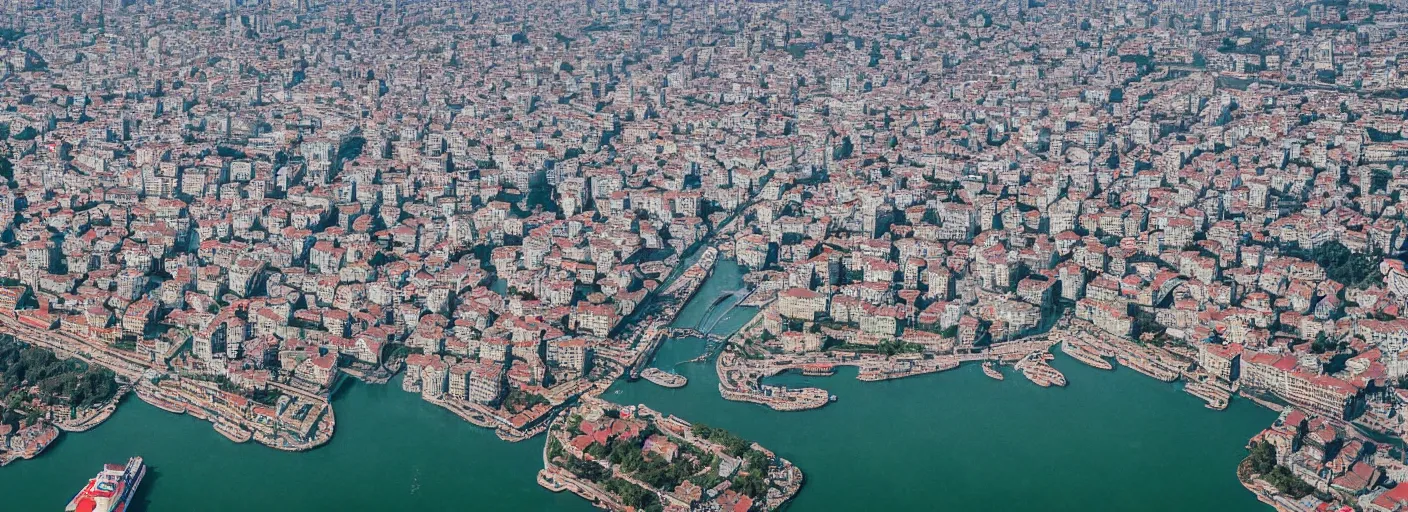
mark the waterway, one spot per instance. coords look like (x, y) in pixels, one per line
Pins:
(391, 452)
(958, 440)
(955, 440)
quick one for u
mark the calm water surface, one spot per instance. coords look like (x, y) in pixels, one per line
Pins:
(1111, 440)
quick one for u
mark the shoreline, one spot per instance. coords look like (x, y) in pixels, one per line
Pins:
(775, 397)
(277, 437)
(782, 478)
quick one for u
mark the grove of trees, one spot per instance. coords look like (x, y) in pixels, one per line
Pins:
(59, 382)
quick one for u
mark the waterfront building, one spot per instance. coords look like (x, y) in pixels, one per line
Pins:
(486, 383)
(801, 303)
(1221, 361)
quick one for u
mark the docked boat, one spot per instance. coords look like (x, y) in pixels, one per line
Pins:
(156, 399)
(1035, 369)
(1216, 398)
(112, 490)
(818, 370)
(232, 431)
(1147, 367)
(663, 378)
(990, 370)
(1086, 356)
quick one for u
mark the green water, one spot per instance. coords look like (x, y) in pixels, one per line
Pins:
(391, 451)
(958, 440)
(951, 441)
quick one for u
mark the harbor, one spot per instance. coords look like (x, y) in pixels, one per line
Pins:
(294, 421)
(673, 298)
(1130, 410)
(383, 431)
(1090, 345)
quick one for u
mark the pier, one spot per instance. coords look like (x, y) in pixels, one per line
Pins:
(1035, 369)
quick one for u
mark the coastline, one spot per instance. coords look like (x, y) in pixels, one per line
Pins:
(782, 478)
(788, 400)
(236, 425)
(39, 437)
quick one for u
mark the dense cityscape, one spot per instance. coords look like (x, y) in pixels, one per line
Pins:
(229, 209)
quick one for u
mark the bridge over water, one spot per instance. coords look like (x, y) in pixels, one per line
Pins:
(685, 332)
(717, 312)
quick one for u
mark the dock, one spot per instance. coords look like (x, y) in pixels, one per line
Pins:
(1147, 367)
(1217, 398)
(1035, 369)
(1085, 355)
(991, 370)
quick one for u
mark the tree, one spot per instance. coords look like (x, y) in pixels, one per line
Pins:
(7, 171)
(1262, 458)
(1358, 270)
(228, 152)
(66, 382)
(735, 445)
(1262, 464)
(843, 150)
(632, 494)
(351, 149)
(589, 471)
(1321, 343)
(752, 484)
(1379, 180)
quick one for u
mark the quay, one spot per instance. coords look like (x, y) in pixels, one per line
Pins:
(299, 421)
(897, 371)
(233, 432)
(1035, 369)
(1085, 355)
(1155, 362)
(1147, 367)
(1217, 398)
(991, 370)
(818, 370)
(84, 420)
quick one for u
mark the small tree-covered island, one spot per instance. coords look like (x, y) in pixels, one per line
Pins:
(632, 457)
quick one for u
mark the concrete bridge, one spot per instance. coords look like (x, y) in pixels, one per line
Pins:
(695, 333)
(714, 315)
(1167, 289)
